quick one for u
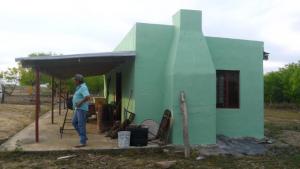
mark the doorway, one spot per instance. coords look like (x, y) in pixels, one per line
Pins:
(118, 96)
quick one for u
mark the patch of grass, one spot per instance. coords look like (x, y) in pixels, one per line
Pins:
(278, 120)
(273, 130)
(282, 116)
(295, 158)
(275, 158)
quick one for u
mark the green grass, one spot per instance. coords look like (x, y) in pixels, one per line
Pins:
(273, 130)
(288, 157)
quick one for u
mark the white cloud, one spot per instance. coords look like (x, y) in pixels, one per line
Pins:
(272, 66)
(76, 26)
(280, 25)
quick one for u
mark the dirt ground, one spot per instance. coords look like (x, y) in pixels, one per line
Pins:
(276, 158)
(25, 99)
(282, 127)
(21, 95)
(14, 117)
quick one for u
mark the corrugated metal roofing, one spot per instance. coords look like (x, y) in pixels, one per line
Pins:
(89, 64)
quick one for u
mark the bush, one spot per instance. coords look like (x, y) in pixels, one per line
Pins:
(283, 86)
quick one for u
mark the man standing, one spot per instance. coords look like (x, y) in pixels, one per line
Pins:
(80, 105)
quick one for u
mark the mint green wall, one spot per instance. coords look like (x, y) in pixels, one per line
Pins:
(153, 43)
(174, 58)
(246, 56)
(127, 70)
(190, 69)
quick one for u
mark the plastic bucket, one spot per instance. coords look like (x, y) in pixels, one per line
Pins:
(123, 139)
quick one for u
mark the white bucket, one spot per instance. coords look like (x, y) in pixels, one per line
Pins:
(123, 139)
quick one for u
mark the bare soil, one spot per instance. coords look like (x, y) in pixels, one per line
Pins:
(14, 117)
(21, 95)
(282, 116)
(283, 125)
(290, 137)
(26, 99)
(276, 158)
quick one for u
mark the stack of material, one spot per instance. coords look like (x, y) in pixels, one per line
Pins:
(118, 126)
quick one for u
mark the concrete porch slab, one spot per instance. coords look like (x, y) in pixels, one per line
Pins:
(50, 137)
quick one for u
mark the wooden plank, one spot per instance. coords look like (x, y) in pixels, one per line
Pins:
(184, 111)
(99, 119)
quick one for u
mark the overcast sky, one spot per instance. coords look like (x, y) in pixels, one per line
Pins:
(73, 26)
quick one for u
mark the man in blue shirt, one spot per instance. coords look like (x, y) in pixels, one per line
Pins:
(81, 107)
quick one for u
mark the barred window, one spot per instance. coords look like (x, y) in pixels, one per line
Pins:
(228, 89)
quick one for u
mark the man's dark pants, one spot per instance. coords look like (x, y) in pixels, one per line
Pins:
(79, 123)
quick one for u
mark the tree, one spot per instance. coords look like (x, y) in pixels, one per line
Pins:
(294, 84)
(283, 85)
(1, 75)
(273, 87)
(27, 75)
(94, 83)
(11, 77)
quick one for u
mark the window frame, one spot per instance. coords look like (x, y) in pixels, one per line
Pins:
(233, 75)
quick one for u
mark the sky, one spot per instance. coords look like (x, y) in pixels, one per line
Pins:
(86, 26)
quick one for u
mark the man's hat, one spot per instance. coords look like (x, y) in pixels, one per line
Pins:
(78, 77)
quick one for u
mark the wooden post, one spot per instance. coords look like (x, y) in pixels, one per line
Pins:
(59, 99)
(183, 108)
(66, 99)
(37, 103)
(52, 100)
(66, 95)
(99, 119)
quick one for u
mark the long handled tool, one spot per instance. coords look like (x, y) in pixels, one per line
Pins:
(125, 112)
(62, 128)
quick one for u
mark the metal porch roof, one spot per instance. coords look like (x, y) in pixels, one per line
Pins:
(89, 64)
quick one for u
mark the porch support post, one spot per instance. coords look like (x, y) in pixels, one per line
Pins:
(65, 99)
(59, 105)
(52, 100)
(37, 102)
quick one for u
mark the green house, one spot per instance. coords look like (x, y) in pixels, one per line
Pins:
(221, 77)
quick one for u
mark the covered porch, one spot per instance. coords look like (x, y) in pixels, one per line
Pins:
(44, 133)
(50, 138)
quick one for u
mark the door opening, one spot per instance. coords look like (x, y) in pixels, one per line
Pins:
(118, 96)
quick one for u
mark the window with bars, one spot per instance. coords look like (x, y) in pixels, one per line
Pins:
(228, 89)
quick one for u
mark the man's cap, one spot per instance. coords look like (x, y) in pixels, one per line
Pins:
(78, 77)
